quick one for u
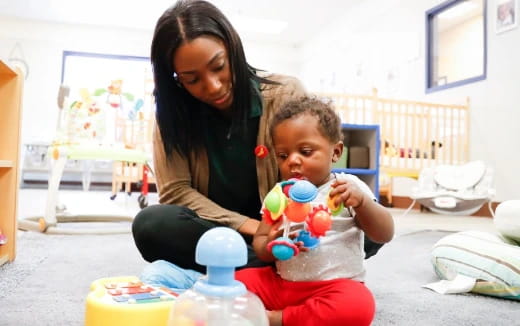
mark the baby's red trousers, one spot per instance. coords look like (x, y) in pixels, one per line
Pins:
(338, 302)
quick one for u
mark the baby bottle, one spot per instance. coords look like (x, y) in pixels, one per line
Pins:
(217, 299)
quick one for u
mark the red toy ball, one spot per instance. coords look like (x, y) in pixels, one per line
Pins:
(319, 221)
(266, 215)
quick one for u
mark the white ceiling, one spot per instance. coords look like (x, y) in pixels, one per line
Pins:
(304, 17)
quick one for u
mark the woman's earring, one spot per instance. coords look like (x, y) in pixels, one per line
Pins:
(176, 79)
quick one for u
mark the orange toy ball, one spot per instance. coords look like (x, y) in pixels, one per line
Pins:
(297, 212)
(321, 222)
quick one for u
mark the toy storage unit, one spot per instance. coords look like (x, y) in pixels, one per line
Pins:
(361, 154)
(11, 83)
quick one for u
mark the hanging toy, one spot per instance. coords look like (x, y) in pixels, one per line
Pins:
(114, 93)
(291, 200)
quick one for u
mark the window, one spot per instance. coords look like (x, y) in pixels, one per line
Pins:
(92, 71)
(456, 44)
(108, 99)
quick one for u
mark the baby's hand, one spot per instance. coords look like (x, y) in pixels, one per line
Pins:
(299, 244)
(275, 231)
(347, 193)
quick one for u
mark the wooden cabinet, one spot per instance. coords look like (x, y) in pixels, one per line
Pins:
(11, 82)
(365, 139)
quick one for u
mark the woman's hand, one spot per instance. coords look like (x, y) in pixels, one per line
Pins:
(249, 227)
(275, 232)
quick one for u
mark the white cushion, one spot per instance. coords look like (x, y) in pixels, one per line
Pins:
(507, 219)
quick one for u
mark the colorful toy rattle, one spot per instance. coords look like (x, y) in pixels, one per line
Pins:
(290, 200)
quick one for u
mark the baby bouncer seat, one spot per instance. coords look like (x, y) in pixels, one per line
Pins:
(455, 189)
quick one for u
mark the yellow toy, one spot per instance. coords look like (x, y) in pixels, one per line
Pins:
(126, 301)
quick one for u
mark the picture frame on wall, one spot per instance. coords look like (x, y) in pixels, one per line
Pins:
(506, 15)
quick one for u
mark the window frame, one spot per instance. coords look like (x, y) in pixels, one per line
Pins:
(430, 16)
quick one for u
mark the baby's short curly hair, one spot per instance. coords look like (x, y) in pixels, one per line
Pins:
(329, 123)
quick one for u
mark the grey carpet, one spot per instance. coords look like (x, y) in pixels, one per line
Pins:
(48, 282)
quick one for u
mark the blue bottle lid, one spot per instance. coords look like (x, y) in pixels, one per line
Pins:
(221, 249)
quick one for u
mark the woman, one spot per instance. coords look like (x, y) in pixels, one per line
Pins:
(213, 112)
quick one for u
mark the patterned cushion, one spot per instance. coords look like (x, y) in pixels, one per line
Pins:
(491, 259)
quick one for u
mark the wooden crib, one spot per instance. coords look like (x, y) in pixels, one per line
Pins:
(414, 135)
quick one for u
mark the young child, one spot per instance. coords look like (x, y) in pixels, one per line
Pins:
(322, 286)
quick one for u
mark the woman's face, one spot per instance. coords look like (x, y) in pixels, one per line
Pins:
(202, 66)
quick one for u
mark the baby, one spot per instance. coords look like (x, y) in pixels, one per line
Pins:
(322, 286)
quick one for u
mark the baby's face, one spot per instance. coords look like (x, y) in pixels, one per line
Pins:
(302, 151)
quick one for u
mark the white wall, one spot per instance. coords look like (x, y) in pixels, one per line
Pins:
(379, 44)
(273, 57)
(42, 45)
(382, 43)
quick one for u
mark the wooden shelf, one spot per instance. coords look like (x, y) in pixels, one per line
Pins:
(358, 171)
(4, 259)
(6, 164)
(11, 84)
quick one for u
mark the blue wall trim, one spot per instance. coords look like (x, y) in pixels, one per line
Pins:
(430, 14)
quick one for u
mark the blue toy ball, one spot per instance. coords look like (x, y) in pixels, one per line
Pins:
(303, 191)
(283, 248)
